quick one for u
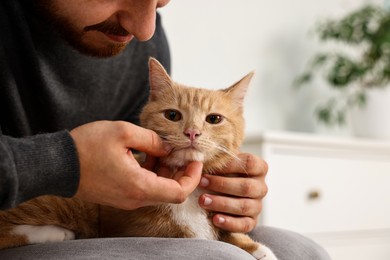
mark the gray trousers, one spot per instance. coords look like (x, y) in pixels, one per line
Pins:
(285, 244)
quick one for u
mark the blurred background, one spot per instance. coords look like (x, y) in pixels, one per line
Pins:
(214, 43)
(326, 140)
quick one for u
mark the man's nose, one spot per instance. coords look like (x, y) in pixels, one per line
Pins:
(139, 19)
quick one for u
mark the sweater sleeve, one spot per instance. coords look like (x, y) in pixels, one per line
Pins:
(45, 164)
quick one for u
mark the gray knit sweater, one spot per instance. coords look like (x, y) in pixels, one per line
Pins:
(48, 88)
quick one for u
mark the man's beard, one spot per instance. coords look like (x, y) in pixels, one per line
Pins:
(75, 37)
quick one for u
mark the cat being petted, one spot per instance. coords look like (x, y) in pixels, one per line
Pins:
(200, 125)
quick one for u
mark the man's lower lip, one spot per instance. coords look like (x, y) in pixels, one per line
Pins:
(120, 38)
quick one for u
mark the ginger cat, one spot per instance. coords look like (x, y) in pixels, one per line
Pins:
(200, 125)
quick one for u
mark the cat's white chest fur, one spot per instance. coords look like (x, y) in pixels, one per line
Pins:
(191, 215)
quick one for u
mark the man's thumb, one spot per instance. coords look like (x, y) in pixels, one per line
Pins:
(148, 141)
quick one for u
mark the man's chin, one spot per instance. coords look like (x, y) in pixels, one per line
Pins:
(106, 51)
(90, 43)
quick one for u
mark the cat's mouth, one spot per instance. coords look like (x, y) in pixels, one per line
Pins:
(187, 148)
(181, 156)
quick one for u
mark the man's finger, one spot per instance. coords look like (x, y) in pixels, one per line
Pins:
(230, 205)
(248, 164)
(236, 186)
(234, 224)
(161, 189)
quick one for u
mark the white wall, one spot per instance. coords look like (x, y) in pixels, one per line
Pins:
(216, 42)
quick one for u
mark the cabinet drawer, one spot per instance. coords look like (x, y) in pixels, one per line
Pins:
(313, 190)
(336, 191)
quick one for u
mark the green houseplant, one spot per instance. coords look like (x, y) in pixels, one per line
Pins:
(352, 74)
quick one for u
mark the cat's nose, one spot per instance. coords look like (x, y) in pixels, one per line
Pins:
(192, 134)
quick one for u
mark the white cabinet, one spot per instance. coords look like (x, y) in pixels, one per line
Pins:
(334, 190)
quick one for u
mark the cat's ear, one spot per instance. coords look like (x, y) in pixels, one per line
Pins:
(238, 90)
(158, 78)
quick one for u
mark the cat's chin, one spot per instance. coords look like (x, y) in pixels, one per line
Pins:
(182, 157)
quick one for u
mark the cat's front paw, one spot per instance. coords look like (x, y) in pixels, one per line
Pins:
(264, 253)
(44, 234)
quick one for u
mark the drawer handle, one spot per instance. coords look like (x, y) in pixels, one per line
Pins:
(313, 195)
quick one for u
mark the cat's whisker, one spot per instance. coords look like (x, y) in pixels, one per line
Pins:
(234, 156)
(208, 144)
(168, 137)
(174, 140)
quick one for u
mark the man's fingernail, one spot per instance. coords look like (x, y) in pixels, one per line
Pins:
(167, 147)
(220, 220)
(207, 201)
(204, 182)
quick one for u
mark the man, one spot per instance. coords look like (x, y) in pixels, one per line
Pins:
(66, 65)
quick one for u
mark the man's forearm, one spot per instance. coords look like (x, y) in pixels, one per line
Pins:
(37, 165)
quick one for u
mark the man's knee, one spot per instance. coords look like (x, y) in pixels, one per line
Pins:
(289, 245)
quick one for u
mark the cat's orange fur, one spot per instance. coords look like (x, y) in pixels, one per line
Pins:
(215, 144)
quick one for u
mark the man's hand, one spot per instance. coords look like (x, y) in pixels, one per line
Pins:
(110, 175)
(239, 201)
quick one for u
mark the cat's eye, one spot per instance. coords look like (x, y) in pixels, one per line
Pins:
(214, 119)
(172, 115)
